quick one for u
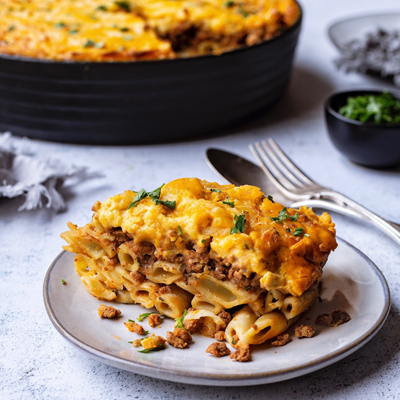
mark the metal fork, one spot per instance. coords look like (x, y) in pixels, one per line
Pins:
(294, 184)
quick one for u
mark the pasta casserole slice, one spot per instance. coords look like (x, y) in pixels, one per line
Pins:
(203, 247)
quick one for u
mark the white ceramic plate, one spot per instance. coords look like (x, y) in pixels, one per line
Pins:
(343, 31)
(350, 279)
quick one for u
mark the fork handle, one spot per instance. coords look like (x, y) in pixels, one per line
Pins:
(390, 228)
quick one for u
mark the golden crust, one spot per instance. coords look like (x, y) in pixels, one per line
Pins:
(107, 30)
(269, 248)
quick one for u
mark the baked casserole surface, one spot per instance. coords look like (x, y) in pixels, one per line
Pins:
(107, 30)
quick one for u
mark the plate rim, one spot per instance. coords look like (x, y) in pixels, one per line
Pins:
(243, 379)
(356, 17)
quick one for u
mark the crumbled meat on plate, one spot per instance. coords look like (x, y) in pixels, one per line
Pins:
(334, 318)
(220, 336)
(225, 316)
(108, 311)
(179, 338)
(242, 354)
(154, 320)
(218, 349)
(134, 327)
(193, 325)
(304, 331)
(281, 340)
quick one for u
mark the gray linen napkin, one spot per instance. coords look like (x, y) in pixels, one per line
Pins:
(24, 174)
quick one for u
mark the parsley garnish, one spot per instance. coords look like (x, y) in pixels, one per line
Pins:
(101, 8)
(73, 31)
(130, 342)
(298, 231)
(233, 341)
(159, 347)
(60, 25)
(166, 203)
(382, 109)
(277, 232)
(131, 320)
(179, 321)
(89, 43)
(295, 216)
(240, 224)
(124, 5)
(271, 199)
(283, 215)
(145, 332)
(128, 38)
(11, 28)
(215, 190)
(141, 317)
(124, 29)
(229, 203)
(179, 230)
(307, 235)
(203, 240)
(229, 4)
(288, 230)
(155, 194)
(244, 13)
(63, 281)
(139, 196)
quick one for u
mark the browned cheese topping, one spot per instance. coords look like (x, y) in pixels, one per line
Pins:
(108, 311)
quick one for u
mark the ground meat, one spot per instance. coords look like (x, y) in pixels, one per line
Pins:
(242, 354)
(220, 336)
(193, 325)
(334, 318)
(154, 320)
(281, 340)
(108, 311)
(225, 316)
(304, 331)
(120, 236)
(236, 275)
(179, 338)
(164, 290)
(195, 262)
(235, 340)
(137, 278)
(218, 270)
(218, 349)
(204, 247)
(134, 327)
(142, 248)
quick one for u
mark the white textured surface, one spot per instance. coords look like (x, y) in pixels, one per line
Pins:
(36, 363)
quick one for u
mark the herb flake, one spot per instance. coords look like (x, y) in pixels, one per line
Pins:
(229, 203)
(179, 321)
(240, 224)
(216, 190)
(159, 347)
(123, 5)
(141, 317)
(271, 199)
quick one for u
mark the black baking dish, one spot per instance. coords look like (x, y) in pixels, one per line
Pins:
(145, 101)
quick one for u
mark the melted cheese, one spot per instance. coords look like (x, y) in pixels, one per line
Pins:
(107, 30)
(267, 248)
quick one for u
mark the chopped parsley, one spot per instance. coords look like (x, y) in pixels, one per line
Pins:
(128, 38)
(123, 5)
(63, 281)
(298, 231)
(11, 28)
(60, 25)
(244, 13)
(155, 194)
(179, 230)
(277, 232)
(130, 342)
(240, 224)
(101, 8)
(141, 317)
(288, 230)
(73, 31)
(159, 347)
(179, 321)
(124, 29)
(271, 199)
(307, 235)
(166, 203)
(131, 320)
(283, 215)
(89, 43)
(229, 203)
(203, 240)
(140, 195)
(229, 4)
(216, 190)
(233, 341)
(381, 109)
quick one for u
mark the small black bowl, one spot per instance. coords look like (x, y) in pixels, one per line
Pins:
(366, 143)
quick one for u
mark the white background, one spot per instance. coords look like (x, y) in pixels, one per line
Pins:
(36, 362)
